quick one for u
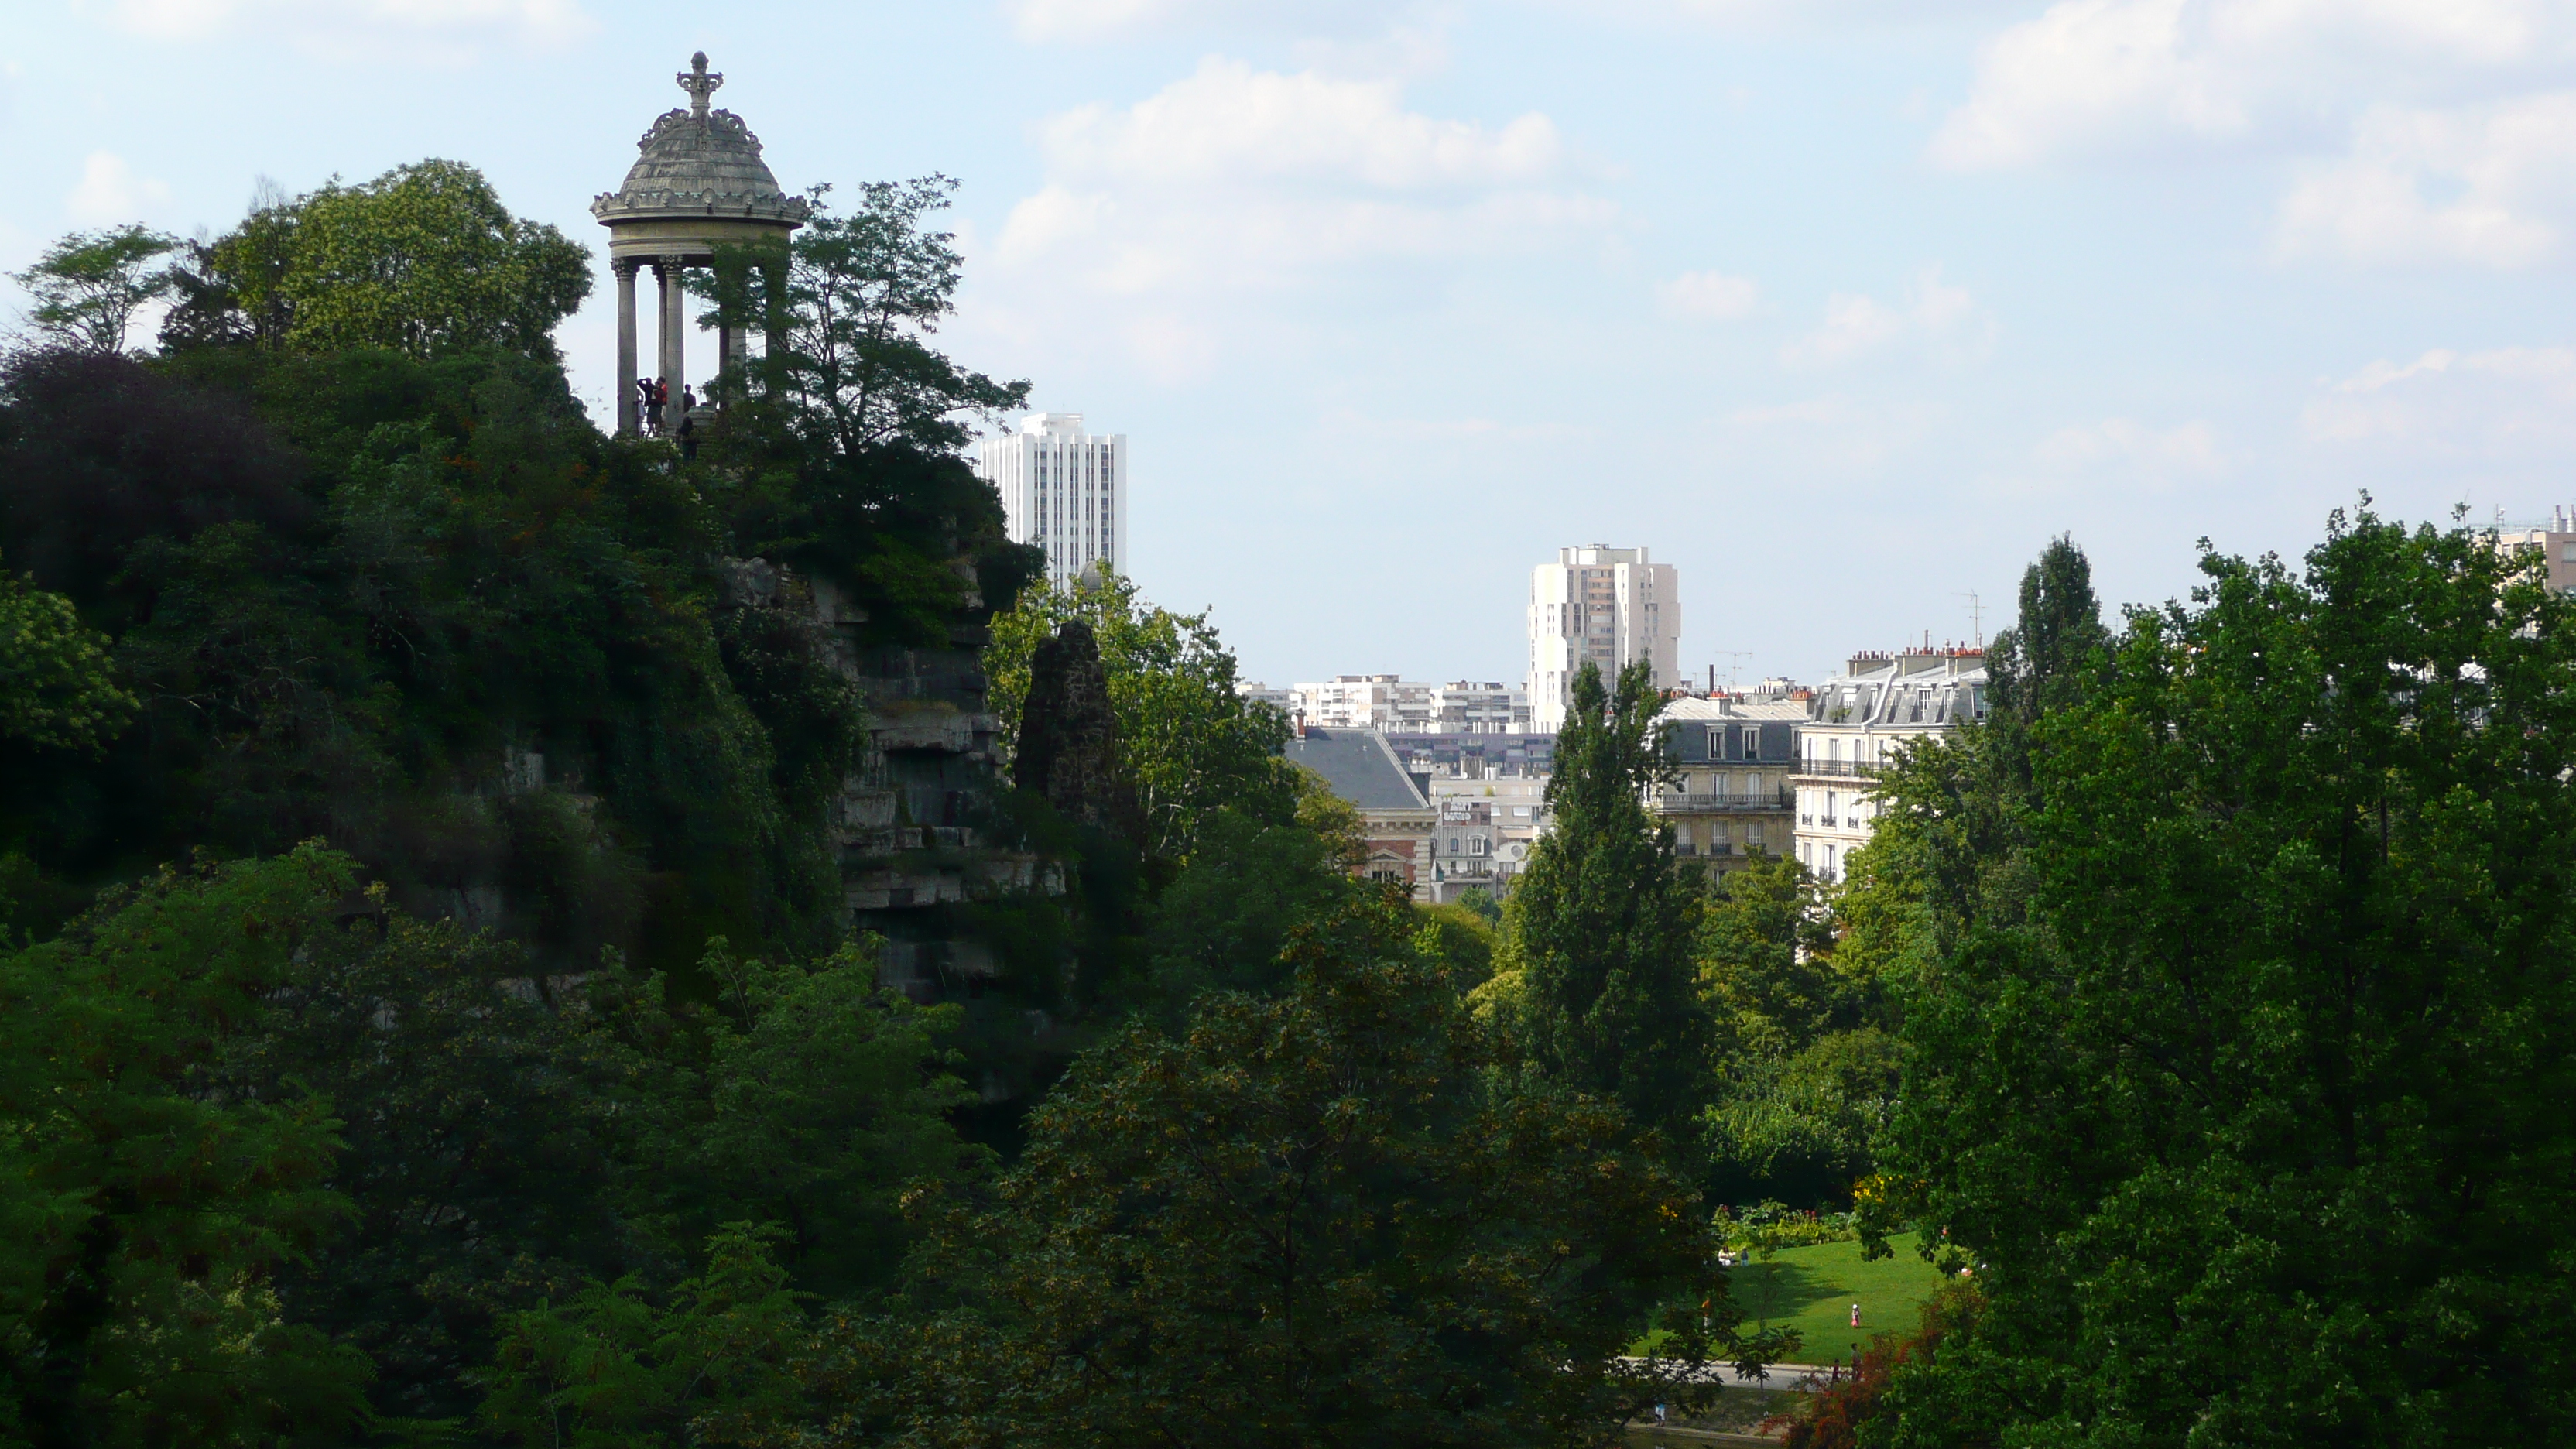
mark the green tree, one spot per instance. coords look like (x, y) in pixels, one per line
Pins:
(1601, 922)
(56, 690)
(1805, 1071)
(1326, 1217)
(146, 1215)
(864, 294)
(615, 1366)
(424, 260)
(89, 285)
(1191, 742)
(808, 1099)
(2254, 1119)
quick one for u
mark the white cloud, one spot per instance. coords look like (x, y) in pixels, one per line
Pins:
(2502, 404)
(1042, 21)
(2506, 173)
(1856, 326)
(2089, 77)
(109, 192)
(1229, 123)
(1710, 296)
(2187, 448)
(442, 31)
(1234, 179)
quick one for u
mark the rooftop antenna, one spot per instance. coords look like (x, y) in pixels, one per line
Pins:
(1734, 664)
(1976, 616)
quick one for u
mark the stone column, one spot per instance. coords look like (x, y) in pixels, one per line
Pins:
(666, 271)
(724, 360)
(627, 421)
(679, 373)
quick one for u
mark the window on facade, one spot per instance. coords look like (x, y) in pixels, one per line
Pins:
(1829, 862)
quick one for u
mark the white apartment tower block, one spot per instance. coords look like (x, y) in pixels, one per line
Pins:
(1605, 606)
(1064, 490)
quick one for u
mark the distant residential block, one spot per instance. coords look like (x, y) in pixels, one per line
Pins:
(1604, 606)
(1393, 705)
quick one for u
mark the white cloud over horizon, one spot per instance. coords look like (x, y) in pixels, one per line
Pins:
(2502, 404)
(1856, 325)
(1240, 183)
(110, 194)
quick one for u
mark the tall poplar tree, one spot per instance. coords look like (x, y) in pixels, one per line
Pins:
(1604, 918)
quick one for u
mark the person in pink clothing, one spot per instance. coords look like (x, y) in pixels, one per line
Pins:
(1855, 1315)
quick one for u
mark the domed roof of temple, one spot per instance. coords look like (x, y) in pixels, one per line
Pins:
(699, 163)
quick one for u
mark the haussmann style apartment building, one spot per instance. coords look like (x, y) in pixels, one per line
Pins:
(1855, 724)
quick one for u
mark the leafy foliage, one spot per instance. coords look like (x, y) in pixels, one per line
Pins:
(1806, 1073)
(89, 285)
(1191, 741)
(1603, 917)
(616, 1365)
(55, 687)
(2251, 1105)
(864, 292)
(145, 1214)
(423, 260)
(1328, 1216)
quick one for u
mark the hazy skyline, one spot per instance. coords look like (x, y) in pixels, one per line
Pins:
(1843, 309)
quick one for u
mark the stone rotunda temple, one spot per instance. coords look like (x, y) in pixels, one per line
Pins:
(699, 185)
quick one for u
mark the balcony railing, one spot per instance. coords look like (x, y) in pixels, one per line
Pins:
(1863, 769)
(1684, 804)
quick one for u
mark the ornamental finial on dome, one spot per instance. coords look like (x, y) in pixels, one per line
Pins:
(699, 84)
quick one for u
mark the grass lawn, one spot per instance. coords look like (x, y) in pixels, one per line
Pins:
(1813, 1289)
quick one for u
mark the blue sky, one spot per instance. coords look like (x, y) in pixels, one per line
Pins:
(1843, 307)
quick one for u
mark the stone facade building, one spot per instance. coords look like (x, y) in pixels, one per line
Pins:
(1396, 816)
(1732, 797)
(1855, 724)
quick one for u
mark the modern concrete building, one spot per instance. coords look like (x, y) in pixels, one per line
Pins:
(1394, 705)
(1283, 699)
(1855, 723)
(1396, 817)
(1473, 707)
(1064, 490)
(1379, 702)
(1604, 606)
(1476, 757)
(1734, 754)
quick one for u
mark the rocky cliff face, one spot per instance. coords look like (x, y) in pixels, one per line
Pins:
(1069, 737)
(909, 823)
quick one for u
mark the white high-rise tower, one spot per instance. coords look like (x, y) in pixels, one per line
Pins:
(1605, 606)
(1064, 490)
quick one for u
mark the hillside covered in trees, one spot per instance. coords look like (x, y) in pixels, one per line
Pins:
(456, 985)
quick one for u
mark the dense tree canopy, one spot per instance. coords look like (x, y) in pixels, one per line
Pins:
(2250, 1103)
(55, 688)
(1331, 1216)
(423, 260)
